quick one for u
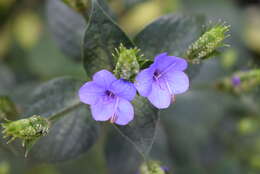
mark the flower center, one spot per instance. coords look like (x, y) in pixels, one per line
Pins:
(156, 75)
(110, 94)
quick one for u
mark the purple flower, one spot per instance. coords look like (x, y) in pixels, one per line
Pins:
(109, 98)
(162, 80)
(236, 81)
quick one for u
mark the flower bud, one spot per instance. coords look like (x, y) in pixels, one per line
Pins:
(245, 81)
(152, 167)
(7, 108)
(26, 129)
(206, 46)
(127, 65)
(78, 5)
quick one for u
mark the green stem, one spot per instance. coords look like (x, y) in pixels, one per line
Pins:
(53, 118)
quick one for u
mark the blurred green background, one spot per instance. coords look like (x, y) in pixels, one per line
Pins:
(206, 131)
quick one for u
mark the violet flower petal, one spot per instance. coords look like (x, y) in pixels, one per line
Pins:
(104, 78)
(124, 89)
(159, 97)
(90, 92)
(178, 81)
(103, 110)
(124, 113)
(143, 82)
(167, 63)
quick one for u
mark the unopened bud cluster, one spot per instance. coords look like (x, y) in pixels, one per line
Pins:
(207, 45)
(240, 82)
(127, 66)
(26, 129)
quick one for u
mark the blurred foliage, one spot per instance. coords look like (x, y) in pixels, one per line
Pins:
(252, 32)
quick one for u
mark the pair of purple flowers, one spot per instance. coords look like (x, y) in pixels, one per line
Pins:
(110, 98)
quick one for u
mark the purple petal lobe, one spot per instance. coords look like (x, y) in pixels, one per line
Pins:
(159, 97)
(178, 81)
(143, 82)
(104, 78)
(103, 110)
(125, 112)
(90, 92)
(124, 89)
(166, 63)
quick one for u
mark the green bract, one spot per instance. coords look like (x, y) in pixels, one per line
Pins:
(207, 44)
(127, 65)
(26, 129)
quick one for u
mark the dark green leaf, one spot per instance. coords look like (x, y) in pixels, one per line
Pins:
(121, 155)
(7, 79)
(141, 131)
(121, 152)
(46, 61)
(67, 27)
(71, 135)
(172, 34)
(160, 150)
(101, 38)
(192, 128)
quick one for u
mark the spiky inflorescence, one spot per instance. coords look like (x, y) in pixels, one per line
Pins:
(26, 129)
(240, 82)
(207, 45)
(127, 65)
(7, 108)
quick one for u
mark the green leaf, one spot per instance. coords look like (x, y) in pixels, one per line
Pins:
(47, 62)
(7, 80)
(121, 152)
(142, 130)
(121, 155)
(172, 34)
(67, 27)
(101, 38)
(193, 131)
(73, 131)
(161, 148)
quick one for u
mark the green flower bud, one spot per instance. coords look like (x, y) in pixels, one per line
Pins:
(206, 46)
(26, 129)
(127, 65)
(240, 82)
(7, 108)
(151, 167)
(78, 5)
